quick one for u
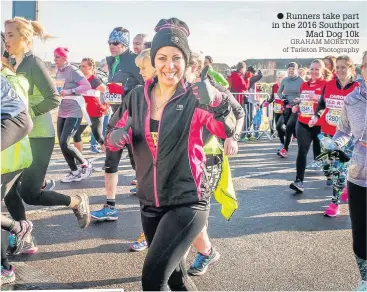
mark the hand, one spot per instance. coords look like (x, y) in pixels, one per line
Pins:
(119, 137)
(295, 109)
(265, 104)
(62, 92)
(297, 100)
(103, 146)
(230, 147)
(206, 93)
(313, 121)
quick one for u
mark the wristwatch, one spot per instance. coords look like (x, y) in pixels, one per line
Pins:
(73, 91)
(236, 137)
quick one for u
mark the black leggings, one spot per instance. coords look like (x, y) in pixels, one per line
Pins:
(357, 210)
(113, 159)
(290, 120)
(66, 129)
(305, 136)
(97, 129)
(32, 180)
(169, 236)
(280, 126)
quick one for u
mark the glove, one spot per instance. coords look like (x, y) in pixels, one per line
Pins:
(119, 137)
(206, 93)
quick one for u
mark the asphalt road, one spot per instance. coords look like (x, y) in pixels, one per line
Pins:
(275, 241)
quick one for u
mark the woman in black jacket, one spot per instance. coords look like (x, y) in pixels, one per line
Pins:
(167, 117)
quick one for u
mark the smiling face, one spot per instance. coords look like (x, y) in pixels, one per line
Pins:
(315, 71)
(291, 71)
(14, 42)
(169, 65)
(343, 71)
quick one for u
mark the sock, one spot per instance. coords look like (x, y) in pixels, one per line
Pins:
(362, 265)
(75, 172)
(209, 252)
(6, 265)
(85, 163)
(111, 202)
(16, 228)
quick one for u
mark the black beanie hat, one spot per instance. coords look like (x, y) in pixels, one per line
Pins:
(293, 64)
(171, 33)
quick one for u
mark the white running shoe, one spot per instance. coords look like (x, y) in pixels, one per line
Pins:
(86, 171)
(70, 177)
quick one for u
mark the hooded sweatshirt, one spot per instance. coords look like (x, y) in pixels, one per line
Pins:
(290, 88)
(353, 121)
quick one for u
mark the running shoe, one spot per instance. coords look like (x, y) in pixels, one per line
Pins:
(344, 195)
(332, 210)
(133, 191)
(70, 177)
(94, 149)
(297, 186)
(134, 182)
(140, 244)
(82, 212)
(329, 181)
(202, 262)
(7, 276)
(315, 165)
(283, 153)
(18, 241)
(49, 186)
(30, 247)
(105, 214)
(280, 147)
(86, 170)
(362, 286)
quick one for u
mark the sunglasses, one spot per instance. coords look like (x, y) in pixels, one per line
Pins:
(114, 43)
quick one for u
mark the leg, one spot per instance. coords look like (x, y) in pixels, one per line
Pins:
(97, 125)
(316, 144)
(280, 125)
(357, 209)
(304, 143)
(78, 142)
(291, 124)
(169, 238)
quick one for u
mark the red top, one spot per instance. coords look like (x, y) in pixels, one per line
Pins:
(310, 96)
(333, 96)
(93, 104)
(278, 106)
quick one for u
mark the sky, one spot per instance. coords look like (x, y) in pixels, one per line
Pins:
(228, 31)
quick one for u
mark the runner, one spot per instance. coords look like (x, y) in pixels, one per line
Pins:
(288, 91)
(139, 42)
(278, 109)
(353, 122)
(123, 70)
(95, 105)
(218, 77)
(43, 98)
(310, 95)
(330, 64)
(72, 84)
(206, 252)
(331, 102)
(174, 203)
(16, 123)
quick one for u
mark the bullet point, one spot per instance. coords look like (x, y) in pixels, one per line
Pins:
(280, 15)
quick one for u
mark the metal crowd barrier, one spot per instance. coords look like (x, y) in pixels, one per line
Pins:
(267, 127)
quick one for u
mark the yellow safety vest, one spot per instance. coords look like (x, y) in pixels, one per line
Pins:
(17, 156)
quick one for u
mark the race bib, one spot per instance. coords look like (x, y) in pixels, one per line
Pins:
(306, 108)
(113, 98)
(278, 108)
(333, 117)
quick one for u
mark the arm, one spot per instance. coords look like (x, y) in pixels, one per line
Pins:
(272, 96)
(256, 78)
(321, 105)
(280, 90)
(214, 111)
(15, 128)
(42, 80)
(101, 88)
(83, 83)
(343, 130)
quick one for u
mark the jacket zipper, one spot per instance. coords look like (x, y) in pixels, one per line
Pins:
(155, 157)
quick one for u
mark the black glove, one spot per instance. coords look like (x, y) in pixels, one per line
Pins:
(119, 137)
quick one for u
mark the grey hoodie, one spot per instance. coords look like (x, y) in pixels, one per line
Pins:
(353, 121)
(290, 88)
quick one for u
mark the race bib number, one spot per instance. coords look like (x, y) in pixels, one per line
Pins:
(113, 98)
(333, 117)
(306, 108)
(278, 108)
